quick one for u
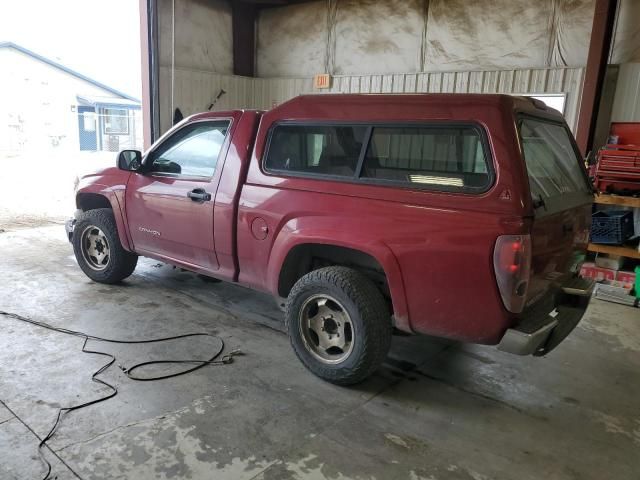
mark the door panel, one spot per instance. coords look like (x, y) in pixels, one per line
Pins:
(170, 202)
(164, 221)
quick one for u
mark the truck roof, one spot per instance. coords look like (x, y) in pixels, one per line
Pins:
(406, 106)
(380, 106)
(399, 98)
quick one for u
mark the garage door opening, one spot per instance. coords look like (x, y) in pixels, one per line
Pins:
(69, 99)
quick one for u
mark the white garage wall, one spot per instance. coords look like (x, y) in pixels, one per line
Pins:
(626, 36)
(355, 36)
(626, 103)
(303, 28)
(518, 46)
(544, 80)
(196, 89)
(377, 37)
(197, 36)
(626, 53)
(508, 34)
(387, 36)
(203, 38)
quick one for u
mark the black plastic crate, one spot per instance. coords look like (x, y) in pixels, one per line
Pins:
(613, 227)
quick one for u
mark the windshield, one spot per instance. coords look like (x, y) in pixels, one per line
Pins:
(553, 166)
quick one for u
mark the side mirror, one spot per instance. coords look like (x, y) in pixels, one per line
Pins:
(130, 160)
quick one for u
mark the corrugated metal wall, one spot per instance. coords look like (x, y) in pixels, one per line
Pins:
(626, 104)
(195, 90)
(547, 80)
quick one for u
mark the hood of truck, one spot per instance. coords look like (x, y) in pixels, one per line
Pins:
(106, 177)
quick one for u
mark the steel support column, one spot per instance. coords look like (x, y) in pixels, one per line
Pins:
(599, 46)
(244, 38)
(149, 65)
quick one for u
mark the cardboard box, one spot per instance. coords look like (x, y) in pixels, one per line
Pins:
(612, 262)
(626, 287)
(626, 279)
(590, 270)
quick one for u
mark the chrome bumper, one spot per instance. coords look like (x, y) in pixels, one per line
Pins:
(538, 334)
(525, 343)
(68, 228)
(70, 224)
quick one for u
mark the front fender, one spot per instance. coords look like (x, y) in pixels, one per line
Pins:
(322, 230)
(116, 197)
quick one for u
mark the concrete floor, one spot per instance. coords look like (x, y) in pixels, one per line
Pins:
(436, 410)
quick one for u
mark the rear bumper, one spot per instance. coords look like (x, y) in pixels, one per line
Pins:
(542, 330)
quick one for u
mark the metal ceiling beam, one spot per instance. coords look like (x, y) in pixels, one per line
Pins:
(599, 46)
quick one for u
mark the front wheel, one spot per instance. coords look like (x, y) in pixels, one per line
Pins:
(339, 324)
(98, 250)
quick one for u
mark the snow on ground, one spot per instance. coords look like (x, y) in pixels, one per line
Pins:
(38, 187)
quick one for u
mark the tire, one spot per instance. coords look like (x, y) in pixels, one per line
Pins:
(315, 318)
(98, 250)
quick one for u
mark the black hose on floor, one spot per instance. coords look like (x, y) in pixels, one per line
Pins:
(197, 364)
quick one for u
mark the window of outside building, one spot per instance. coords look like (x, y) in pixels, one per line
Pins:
(116, 121)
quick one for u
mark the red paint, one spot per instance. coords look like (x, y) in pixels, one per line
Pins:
(110, 183)
(628, 133)
(590, 270)
(436, 249)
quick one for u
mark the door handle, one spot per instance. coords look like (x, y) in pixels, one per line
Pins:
(199, 195)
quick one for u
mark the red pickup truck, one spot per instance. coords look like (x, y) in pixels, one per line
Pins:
(460, 216)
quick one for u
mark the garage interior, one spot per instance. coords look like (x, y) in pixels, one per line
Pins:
(437, 409)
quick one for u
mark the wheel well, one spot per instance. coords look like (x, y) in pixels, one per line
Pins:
(305, 258)
(91, 201)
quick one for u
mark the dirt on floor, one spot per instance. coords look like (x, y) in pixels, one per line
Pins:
(10, 221)
(435, 409)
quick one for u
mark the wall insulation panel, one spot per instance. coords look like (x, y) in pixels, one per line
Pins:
(354, 36)
(302, 29)
(626, 103)
(382, 37)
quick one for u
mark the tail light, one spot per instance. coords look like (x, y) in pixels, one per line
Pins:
(512, 264)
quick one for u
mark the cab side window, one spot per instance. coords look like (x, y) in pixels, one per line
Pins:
(192, 151)
(331, 150)
(431, 155)
(436, 157)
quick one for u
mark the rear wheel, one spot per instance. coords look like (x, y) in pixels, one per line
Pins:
(339, 324)
(98, 250)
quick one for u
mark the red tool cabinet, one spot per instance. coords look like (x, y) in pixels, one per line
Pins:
(618, 168)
